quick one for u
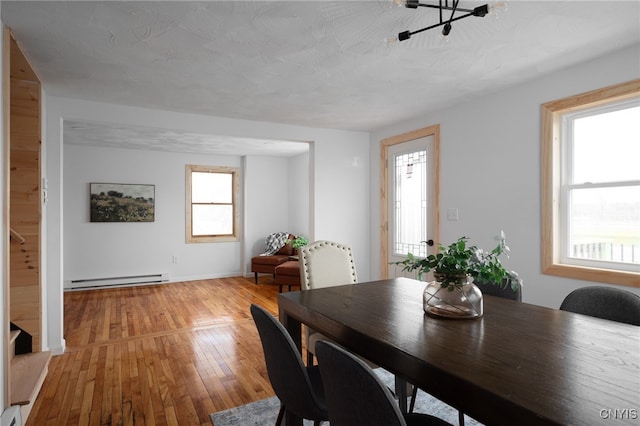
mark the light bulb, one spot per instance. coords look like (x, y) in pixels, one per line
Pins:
(497, 8)
(391, 40)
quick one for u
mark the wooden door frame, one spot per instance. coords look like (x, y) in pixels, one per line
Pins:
(384, 200)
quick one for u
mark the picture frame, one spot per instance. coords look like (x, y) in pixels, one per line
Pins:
(121, 202)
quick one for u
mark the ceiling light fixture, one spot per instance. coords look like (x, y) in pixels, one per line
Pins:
(447, 12)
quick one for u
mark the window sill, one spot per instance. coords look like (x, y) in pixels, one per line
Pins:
(608, 276)
(225, 239)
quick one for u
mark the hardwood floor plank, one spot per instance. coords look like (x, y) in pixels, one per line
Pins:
(77, 393)
(65, 390)
(171, 416)
(167, 354)
(106, 400)
(127, 413)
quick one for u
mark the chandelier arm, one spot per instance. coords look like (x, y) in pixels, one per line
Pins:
(439, 24)
(435, 6)
(453, 11)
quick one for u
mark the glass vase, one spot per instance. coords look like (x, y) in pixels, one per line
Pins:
(453, 297)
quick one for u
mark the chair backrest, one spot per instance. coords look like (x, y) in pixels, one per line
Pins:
(355, 396)
(326, 264)
(604, 302)
(287, 373)
(504, 291)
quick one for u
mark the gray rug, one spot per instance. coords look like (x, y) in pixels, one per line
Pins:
(265, 411)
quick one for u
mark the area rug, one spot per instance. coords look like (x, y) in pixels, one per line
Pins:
(265, 411)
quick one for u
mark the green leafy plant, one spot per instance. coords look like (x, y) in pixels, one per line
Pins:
(298, 242)
(454, 262)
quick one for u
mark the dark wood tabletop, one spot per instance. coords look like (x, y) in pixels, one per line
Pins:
(518, 364)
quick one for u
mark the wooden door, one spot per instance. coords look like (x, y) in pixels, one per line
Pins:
(409, 170)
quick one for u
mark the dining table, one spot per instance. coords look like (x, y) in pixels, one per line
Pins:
(517, 364)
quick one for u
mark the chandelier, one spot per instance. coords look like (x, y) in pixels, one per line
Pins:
(448, 12)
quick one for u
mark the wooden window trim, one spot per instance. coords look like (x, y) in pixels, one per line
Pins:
(551, 166)
(237, 185)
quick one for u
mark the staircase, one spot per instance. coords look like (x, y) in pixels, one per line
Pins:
(27, 371)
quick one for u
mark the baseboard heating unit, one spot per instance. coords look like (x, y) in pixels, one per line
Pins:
(116, 281)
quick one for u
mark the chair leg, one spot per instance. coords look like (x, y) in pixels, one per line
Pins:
(279, 289)
(460, 418)
(255, 274)
(414, 394)
(280, 415)
(317, 422)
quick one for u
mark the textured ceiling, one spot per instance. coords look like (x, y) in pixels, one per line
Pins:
(313, 63)
(137, 137)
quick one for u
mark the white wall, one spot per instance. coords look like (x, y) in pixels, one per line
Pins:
(490, 167)
(100, 250)
(340, 173)
(298, 189)
(277, 200)
(267, 202)
(339, 176)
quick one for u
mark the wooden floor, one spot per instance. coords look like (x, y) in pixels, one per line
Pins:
(167, 354)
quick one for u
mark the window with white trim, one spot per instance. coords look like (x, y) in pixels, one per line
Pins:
(591, 186)
(212, 197)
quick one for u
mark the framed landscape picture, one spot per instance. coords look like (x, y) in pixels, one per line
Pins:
(121, 202)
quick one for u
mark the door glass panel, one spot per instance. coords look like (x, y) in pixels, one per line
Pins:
(410, 205)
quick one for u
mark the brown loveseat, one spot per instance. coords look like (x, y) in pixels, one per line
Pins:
(283, 265)
(288, 273)
(267, 264)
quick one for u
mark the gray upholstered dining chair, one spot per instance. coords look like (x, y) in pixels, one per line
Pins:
(299, 388)
(372, 404)
(506, 291)
(604, 302)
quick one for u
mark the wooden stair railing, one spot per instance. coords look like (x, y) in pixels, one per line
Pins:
(14, 235)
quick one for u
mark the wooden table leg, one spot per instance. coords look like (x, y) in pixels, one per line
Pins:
(401, 392)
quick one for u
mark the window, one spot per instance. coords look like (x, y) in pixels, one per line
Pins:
(591, 186)
(212, 204)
